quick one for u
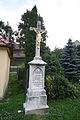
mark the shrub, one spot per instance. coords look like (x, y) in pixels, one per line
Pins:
(21, 76)
(59, 87)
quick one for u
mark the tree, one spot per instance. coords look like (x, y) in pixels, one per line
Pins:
(53, 66)
(78, 62)
(27, 37)
(7, 31)
(78, 50)
(57, 86)
(1, 24)
(69, 61)
(2, 30)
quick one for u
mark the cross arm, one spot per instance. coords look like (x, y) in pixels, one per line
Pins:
(43, 31)
(33, 29)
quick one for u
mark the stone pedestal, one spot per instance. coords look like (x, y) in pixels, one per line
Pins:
(36, 98)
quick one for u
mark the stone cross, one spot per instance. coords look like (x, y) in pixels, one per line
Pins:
(36, 98)
(39, 32)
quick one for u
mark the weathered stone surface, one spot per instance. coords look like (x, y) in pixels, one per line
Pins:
(36, 98)
(36, 102)
(40, 111)
(37, 62)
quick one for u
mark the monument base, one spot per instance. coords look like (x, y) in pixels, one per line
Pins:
(40, 111)
(36, 98)
(36, 103)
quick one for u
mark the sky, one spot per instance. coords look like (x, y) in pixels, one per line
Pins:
(61, 18)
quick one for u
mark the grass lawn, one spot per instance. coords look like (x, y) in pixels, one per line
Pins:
(68, 109)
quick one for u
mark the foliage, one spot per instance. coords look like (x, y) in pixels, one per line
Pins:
(8, 32)
(69, 61)
(22, 75)
(52, 59)
(78, 50)
(57, 52)
(1, 24)
(27, 37)
(68, 109)
(59, 87)
(78, 62)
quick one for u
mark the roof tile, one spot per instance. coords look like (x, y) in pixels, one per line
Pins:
(3, 42)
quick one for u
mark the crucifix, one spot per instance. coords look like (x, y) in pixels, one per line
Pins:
(36, 98)
(39, 32)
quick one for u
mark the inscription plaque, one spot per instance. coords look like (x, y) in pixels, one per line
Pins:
(37, 81)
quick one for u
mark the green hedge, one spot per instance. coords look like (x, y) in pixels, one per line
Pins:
(22, 76)
(59, 87)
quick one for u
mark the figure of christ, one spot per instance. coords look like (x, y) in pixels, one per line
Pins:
(39, 33)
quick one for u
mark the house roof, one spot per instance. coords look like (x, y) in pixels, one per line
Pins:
(16, 46)
(76, 43)
(4, 42)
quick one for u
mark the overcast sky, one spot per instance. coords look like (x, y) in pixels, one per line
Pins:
(61, 17)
